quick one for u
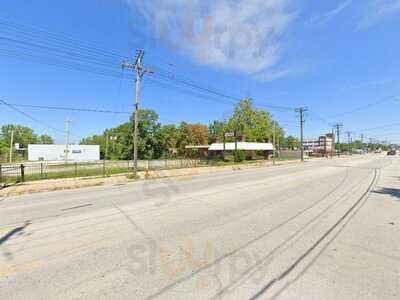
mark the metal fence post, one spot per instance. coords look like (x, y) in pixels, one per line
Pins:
(76, 169)
(1, 175)
(104, 167)
(128, 165)
(41, 170)
(22, 172)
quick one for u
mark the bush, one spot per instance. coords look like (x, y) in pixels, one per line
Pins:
(239, 155)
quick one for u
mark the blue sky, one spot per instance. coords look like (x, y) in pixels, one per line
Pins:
(334, 57)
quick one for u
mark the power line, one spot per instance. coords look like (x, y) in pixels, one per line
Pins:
(40, 33)
(378, 127)
(79, 109)
(71, 108)
(89, 55)
(34, 119)
(392, 98)
(70, 53)
(232, 99)
(65, 65)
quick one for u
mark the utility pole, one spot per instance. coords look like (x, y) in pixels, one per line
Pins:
(338, 126)
(67, 133)
(140, 71)
(273, 143)
(362, 143)
(332, 142)
(301, 110)
(235, 133)
(106, 152)
(11, 143)
(349, 141)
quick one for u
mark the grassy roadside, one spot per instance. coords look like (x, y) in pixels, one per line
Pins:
(102, 172)
(66, 181)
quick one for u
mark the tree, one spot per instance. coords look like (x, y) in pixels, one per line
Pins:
(148, 147)
(357, 144)
(149, 128)
(290, 142)
(191, 134)
(256, 125)
(45, 139)
(95, 140)
(216, 131)
(168, 139)
(22, 135)
(157, 141)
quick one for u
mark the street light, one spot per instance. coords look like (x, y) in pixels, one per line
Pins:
(11, 143)
(111, 138)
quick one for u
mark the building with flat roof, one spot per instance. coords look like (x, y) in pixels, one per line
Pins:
(321, 146)
(216, 149)
(59, 152)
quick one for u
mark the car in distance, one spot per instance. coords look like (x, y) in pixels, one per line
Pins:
(391, 152)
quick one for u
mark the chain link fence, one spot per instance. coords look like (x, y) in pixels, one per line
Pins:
(36, 171)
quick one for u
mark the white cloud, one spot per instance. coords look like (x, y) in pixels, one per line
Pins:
(243, 35)
(274, 74)
(290, 70)
(323, 18)
(377, 11)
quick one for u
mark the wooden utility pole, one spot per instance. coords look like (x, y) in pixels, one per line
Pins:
(11, 143)
(140, 71)
(67, 133)
(273, 143)
(301, 110)
(349, 142)
(106, 152)
(332, 142)
(338, 126)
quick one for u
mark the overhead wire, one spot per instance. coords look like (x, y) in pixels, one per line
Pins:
(44, 124)
(68, 51)
(80, 109)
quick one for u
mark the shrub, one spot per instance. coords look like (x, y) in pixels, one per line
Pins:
(239, 155)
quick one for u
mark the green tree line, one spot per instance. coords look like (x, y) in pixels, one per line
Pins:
(158, 140)
(23, 136)
(163, 141)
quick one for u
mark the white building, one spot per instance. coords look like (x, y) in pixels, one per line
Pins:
(58, 152)
(323, 145)
(246, 146)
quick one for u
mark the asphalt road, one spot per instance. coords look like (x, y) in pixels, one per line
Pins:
(326, 229)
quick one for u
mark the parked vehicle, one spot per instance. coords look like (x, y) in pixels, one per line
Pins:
(391, 152)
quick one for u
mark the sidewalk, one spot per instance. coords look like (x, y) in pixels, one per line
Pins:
(74, 183)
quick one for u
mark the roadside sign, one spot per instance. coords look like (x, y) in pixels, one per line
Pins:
(229, 134)
(16, 146)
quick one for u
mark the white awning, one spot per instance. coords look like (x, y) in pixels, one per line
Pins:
(197, 147)
(241, 146)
